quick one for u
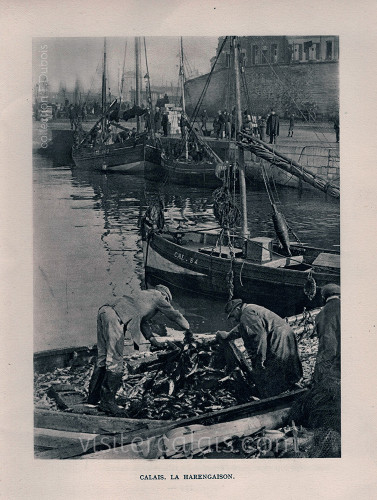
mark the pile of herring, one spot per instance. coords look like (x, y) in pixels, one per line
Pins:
(188, 381)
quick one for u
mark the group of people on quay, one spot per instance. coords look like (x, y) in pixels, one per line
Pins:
(269, 341)
(224, 125)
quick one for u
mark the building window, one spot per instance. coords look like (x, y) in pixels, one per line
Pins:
(264, 55)
(307, 47)
(329, 53)
(312, 52)
(255, 54)
(274, 53)
(227, 59)
(297, 53)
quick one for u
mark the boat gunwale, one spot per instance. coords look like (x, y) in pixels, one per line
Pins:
(157, 241)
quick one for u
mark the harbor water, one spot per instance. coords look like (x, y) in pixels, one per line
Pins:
(87, 247)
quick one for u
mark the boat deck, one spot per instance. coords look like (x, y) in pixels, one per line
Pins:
(260, 250)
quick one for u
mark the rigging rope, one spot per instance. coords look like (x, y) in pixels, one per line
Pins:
(262, 150)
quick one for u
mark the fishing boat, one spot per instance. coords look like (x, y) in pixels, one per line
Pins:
(279, 274)
(188, 160)
(103, 147)
(76, 430)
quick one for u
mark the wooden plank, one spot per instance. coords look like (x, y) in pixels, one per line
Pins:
(51, 438)
(327, 260)
(186, 440)
(218, 433)
(124, 438)
(76, 422)
(67, 451)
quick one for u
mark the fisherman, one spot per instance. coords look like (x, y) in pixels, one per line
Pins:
(327, 328)
(120, 318)
(270, 343)
(273, 126)
(319, 407)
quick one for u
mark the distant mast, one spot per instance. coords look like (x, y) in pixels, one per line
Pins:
(182, 75)
(137, 79)
(104, 90)
(123, 74)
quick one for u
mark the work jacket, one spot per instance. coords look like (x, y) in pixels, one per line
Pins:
(143, 305)
(327, 328)
(272, 347)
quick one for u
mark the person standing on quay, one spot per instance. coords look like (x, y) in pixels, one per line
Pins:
(262, 128)
(273, 126)
(165, 123)
(336, 128)
(204, 118)
(291, 124)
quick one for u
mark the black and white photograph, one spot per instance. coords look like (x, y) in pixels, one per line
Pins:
(187, 247)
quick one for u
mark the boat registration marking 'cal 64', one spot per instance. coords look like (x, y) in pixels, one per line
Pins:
(183, 258)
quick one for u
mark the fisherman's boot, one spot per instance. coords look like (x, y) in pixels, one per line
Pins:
(95, 385)
(110, 386)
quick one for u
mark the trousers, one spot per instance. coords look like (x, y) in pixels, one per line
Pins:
(110, 340)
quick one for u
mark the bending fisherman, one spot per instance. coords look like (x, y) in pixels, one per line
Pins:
(270, 343)
(126, 316)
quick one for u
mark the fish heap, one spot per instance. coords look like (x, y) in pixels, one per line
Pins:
(193, 380)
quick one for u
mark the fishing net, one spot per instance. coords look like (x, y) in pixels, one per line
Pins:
(320, 409)
(224, 208)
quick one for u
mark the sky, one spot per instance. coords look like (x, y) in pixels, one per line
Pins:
(74, 58)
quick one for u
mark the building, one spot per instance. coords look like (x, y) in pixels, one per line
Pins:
(280, 50)
(292, 74)
(312, 49)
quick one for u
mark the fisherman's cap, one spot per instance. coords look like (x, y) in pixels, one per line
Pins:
(232, 305)
(165, 290)
(330, 290)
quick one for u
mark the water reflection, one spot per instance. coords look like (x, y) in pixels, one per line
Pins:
(87, 243)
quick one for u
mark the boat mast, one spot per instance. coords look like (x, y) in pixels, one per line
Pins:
(123, 73)
(182, 75)
(241, 161)
(137, 70)
(149, 93)
(104, 90)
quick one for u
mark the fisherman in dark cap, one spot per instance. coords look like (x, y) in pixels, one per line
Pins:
(121, 318)
(320, 407)
(327, 328)
(270, 343)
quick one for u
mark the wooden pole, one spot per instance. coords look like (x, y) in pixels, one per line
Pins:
(241, 161)
(137, 70)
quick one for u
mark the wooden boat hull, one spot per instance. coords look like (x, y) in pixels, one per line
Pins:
(279, 289)
(62, 435)
(126, 158)
(163, 165)
(200, 174)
